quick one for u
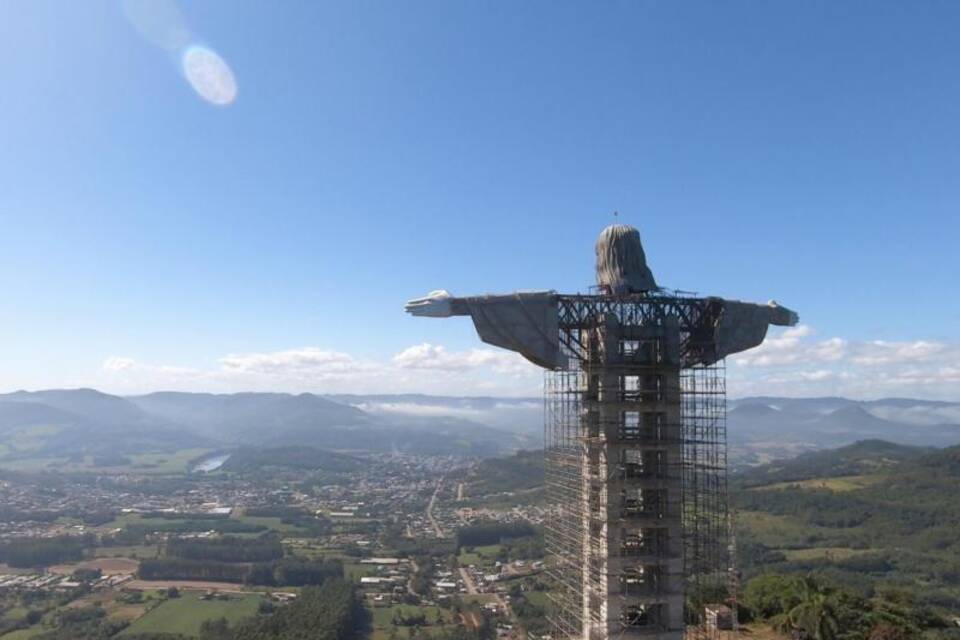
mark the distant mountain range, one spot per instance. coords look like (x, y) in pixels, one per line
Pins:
(764, 428)
(56, 423)
(76, 422)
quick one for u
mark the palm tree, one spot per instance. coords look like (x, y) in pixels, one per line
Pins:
(815, 616)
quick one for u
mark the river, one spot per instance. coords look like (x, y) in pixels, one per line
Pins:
(210, 464)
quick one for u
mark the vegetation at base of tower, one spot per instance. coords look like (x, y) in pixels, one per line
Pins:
(810, 607)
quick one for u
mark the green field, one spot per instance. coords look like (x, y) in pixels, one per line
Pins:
(826, 553)
(23, 634)
(538, 598)
(383, 620)
(185, 614)
(778, 531)
(170, 463)
(166, 463)
(274, 524)
(137, 552)
(354, 570)
(838, 485)
(484, 556)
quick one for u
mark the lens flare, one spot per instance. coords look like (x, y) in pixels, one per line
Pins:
(209, 75)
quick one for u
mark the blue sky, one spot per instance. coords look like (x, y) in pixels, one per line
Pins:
(806, 152)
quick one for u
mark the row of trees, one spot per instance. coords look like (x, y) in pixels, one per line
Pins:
(226, 549)
(38, 552)
(182, 569)
(292, 572)
(137, 533)
(488, 533)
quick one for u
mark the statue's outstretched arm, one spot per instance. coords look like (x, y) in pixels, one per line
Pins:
(781, 316)
(436, 304)
(523, 322)
(743, 325)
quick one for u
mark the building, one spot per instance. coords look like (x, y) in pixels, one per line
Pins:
(719, 616)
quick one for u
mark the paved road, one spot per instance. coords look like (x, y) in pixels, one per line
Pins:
(415, 568)
(472, 590)
(433, 499)
(468, 580)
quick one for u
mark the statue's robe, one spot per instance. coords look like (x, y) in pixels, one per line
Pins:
(528, 323)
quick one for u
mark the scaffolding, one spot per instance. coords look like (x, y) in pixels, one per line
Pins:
(636, 470)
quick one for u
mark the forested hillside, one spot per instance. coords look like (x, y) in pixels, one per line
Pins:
(871, 516)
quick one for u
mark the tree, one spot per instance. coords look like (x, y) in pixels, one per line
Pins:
(815, 616)
(770, 595)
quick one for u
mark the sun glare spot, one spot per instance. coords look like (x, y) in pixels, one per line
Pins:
(209, 75)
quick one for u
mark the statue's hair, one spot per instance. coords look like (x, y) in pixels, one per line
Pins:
(621, 262)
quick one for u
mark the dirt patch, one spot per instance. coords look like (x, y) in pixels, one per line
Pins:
(471, 619)
(100, 597)
(7, 569)
(196, 585)
(129, 612)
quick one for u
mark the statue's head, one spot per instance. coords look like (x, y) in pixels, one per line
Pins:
(621, 263)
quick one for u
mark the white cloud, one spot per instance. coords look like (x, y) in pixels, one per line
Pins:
(795, 363)
(791, 362)
(119, 364)
(421, 368)
(309, 361)
(435, 357)
(414, 409)
(879, 352)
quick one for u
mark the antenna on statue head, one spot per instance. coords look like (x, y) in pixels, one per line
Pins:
(616, 214)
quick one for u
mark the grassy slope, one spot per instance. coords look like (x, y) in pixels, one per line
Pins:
(383, 620)
(185, 614)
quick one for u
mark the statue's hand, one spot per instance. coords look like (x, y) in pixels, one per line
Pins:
(781, 316)
(435, 305)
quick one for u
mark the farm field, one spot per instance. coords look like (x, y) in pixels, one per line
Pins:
(484, 556)
(114, 565)
(22, 634)
(838, 485)
(166, 463)
(185, 614)
(132, 551)
(383, 620)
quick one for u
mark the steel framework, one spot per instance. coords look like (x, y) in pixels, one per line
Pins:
(636, 469)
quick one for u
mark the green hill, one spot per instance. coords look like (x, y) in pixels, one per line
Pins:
(872, 515)
(864, 457)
